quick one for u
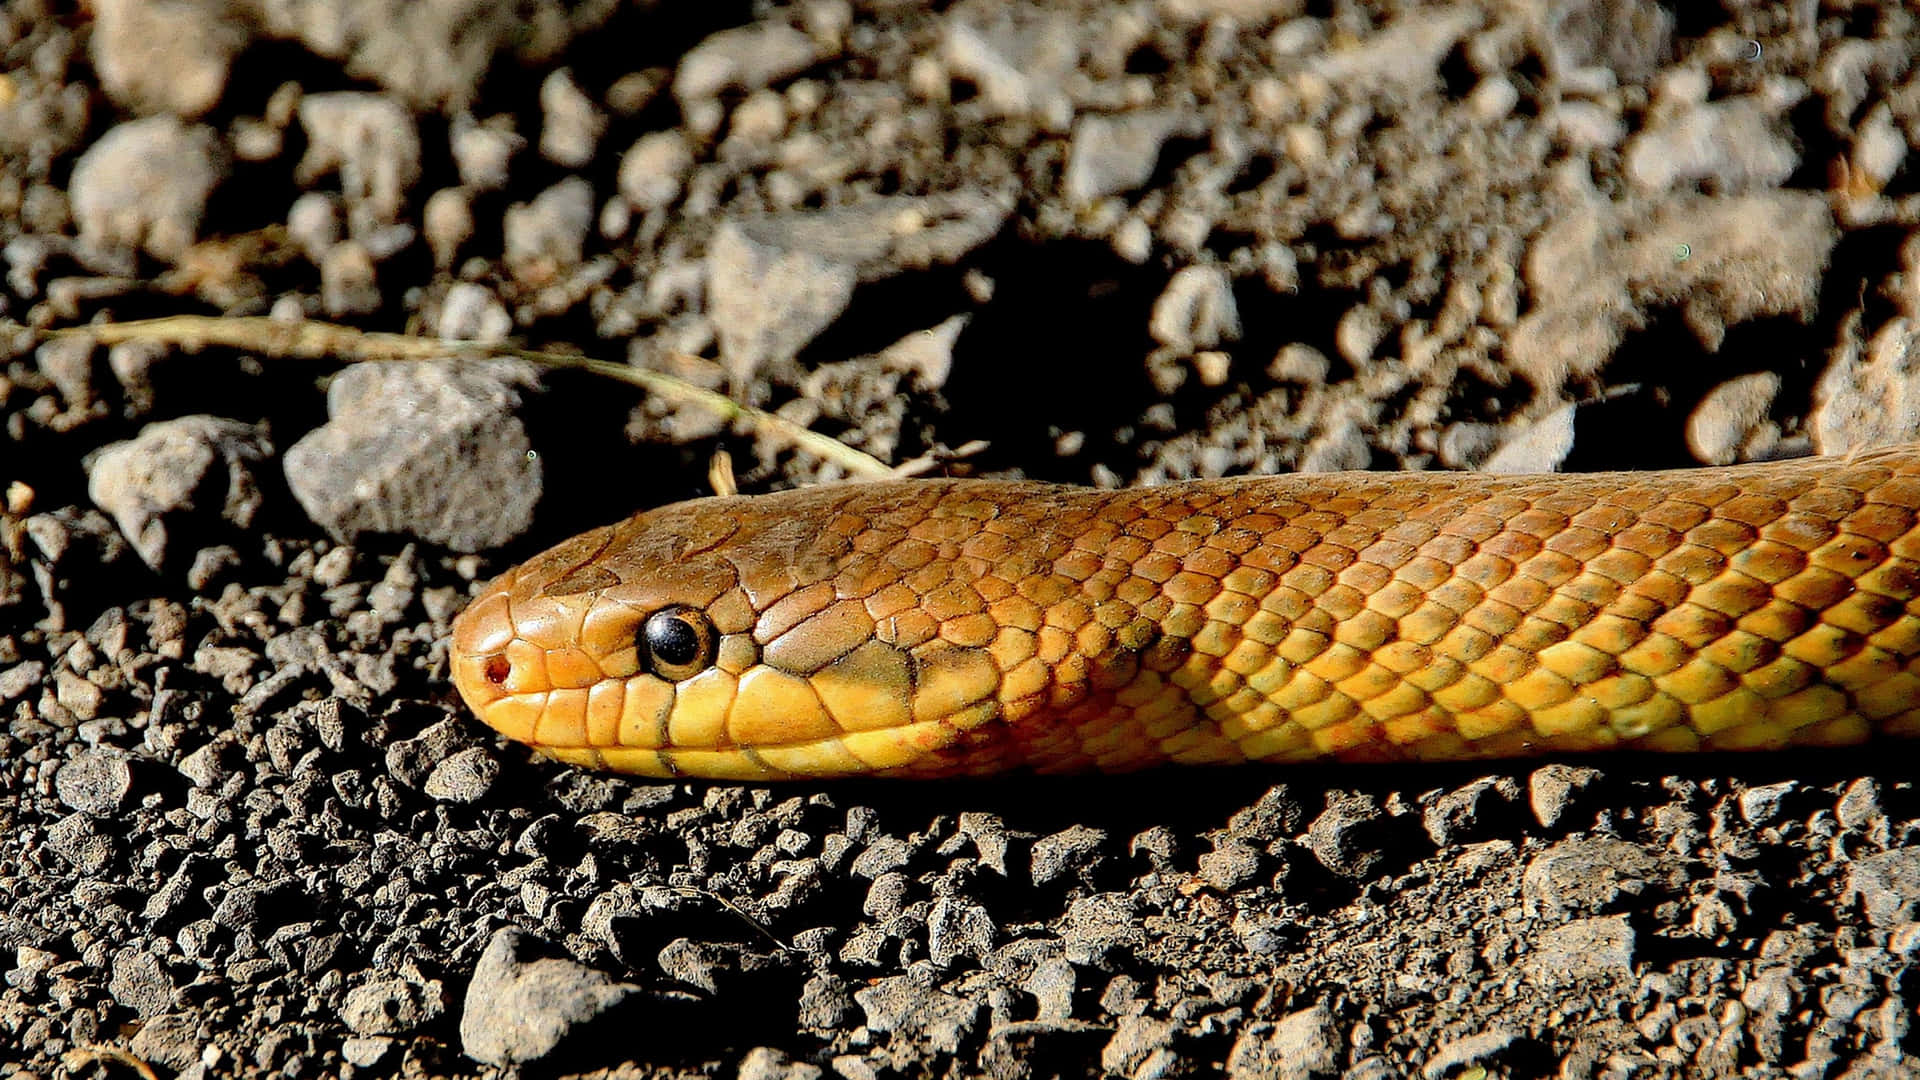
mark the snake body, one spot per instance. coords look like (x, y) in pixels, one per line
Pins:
(945, 627)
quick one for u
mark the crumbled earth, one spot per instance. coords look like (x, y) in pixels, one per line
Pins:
(246, 830)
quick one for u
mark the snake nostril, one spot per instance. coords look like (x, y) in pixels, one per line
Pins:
(496, 669)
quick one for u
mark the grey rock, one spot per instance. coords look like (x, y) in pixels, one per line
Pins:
(743, 58)
(1073, 850)
(1298, 363)
(1879, 149)
(775, 282)
(1631, 38)
(1343, 446)
(1860, 805)
(1586, 876)
(68, 362)
(1344, 838)
(1265, 935)
(1886, 886)
(1583, 948)
(766, 1063)
(412, 761)
(549, 234)
(447, 223)
(988, 834)
(484, 151)
(78, 696)
(865, 947)
(80, 842)
(21, 678)
(366, 1052)
(372, 143)
(1300, 1046)
(1158, 844)
(1486, 1047)
(570, 125)
(1533, 447)
(919, 1015)
(887, 896)
(653, 171)
(849, 1067)
(315, 223)
(1141, 1048)
(1249, 13)
(1102, 929)
(1460, 815)
(392, 1005)
(1406, 53)
(1372, 1067)
(1020, 63)
(520, 1006)
(1114, 154)
(927, 354)
(1465, 445)
(261, 907)
(1739, 144)
(1761, 805)
(698, 964)
(1053, 985)
(1745, 257)
(768, 301)
(1730, 423)
(465, 777)
(883, 854)
(958, 929)
(825, 1004)
(429, 449)
(145, 185)
(1195, 311)
(171, 1040)
(1768, 998)
(471, 312)
(96, 781)
(349, 285)
(1229, 865)
(433, 53)
(140, 982)
(1553, 789)
(1869, 394)
(164, 55)
(207, 766)
(188, 474)
(178, 896)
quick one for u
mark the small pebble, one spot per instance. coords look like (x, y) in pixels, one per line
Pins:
(571, 126)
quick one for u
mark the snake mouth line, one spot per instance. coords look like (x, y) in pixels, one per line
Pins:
(855, 753)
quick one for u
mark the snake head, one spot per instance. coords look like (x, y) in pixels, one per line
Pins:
(729, 638)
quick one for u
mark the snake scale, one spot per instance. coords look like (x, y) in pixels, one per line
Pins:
(944, 627)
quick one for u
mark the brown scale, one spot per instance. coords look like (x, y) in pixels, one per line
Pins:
(948, 627)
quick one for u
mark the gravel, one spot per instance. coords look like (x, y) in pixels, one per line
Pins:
(245, 829)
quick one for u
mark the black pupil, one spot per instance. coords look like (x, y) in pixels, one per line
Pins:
(671, 640)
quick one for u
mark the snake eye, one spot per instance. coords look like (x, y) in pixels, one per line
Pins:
(679, 642)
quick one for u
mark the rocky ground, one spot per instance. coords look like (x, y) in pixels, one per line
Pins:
(245, 829)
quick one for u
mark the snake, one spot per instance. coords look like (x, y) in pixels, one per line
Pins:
(956, 627)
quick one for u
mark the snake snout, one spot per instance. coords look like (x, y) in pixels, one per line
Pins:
(481, 667)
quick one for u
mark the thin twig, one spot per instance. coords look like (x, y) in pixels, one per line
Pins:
(318, 340)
